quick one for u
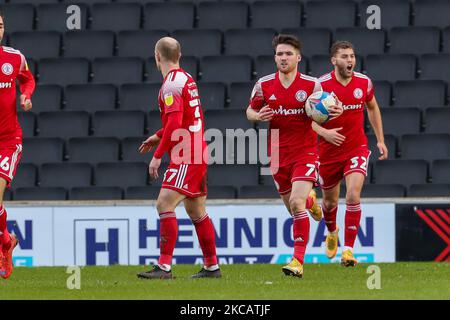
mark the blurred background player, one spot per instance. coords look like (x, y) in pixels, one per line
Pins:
(343, 149)
(13, 67)
(279, 98)
(182, 136)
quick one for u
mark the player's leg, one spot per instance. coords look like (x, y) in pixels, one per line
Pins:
(10, 159)
(329, 208)
(354, 182)
(167, 201)
(195, 208)
(297, 205)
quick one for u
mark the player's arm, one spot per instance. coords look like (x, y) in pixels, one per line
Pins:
(264, 114)
(26, 84)
(374, 114)
(330, 135)
(258, 110)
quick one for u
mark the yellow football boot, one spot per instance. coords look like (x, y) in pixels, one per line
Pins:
(316, 209)
(347, 259)
(294, 268)
(331, 243)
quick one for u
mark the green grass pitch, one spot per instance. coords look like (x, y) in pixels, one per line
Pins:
(418, 280)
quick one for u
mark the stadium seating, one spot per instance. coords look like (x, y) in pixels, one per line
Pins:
(199, 43)
(365, 43)
(37, 45)
(139, 96)
(169, 16)
(93, 150)
(40, 194)
(63, 124)
(47, 98)
(90, 98)
(100, 44)
(96, 193)
(212, 95)
(437, 120)
(419, 93)
(65, 175)
(330, 14)
(431, 66)
(254, 41)
(54, 17)
(27, 121)
(63, 71)
(276, 14)
(391, 67)
(222, 15)
(427, 39)
(394, 13)
(18, 17)
(431, 13)
(125, 16)
(97, 89)
(313, 40)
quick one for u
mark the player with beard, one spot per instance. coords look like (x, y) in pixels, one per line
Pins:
(343, 149)
(280, 98)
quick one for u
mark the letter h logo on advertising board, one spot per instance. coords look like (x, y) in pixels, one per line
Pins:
(101, 242)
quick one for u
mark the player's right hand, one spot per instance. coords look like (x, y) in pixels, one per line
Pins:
(333, 136)
(25, 103)
(149, 144)
(265, 114)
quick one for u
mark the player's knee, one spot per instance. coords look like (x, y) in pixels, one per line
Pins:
(330, 203)
(297, 204)
(163, 205)
(353, 196)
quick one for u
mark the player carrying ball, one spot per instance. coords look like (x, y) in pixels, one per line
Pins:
(280, 98)
(343, 150)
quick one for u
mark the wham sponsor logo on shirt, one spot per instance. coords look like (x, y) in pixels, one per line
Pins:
(5, 85)
(287, 112)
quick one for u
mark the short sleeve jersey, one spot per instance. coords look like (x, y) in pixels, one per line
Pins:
(179, 92)
(13, 66)
(296, 137)
(353, 97)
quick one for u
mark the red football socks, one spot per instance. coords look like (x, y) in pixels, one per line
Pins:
(5, 239)
(329, 216)
(352, 219)
(301, 234)
(169, 234)
(207, 239)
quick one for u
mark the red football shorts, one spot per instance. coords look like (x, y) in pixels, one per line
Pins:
(331, 173)
(10, 155)
(301, 170)
(187, 179)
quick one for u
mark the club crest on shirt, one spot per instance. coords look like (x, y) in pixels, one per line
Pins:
(358, 93)
(301, 95)
(7, 69)
(168, 99)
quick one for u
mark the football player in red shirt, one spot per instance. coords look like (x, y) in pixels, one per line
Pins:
(182, 137)
(343, 149)
(280, 98)
(13, 67)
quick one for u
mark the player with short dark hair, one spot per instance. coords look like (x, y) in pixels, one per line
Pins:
(13, 68)
(182, 137)
(279, 98)
(343, 149)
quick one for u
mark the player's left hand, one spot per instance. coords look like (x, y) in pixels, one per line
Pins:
(25, 103)
(153, 168)
(383, 151)
(336, 110)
